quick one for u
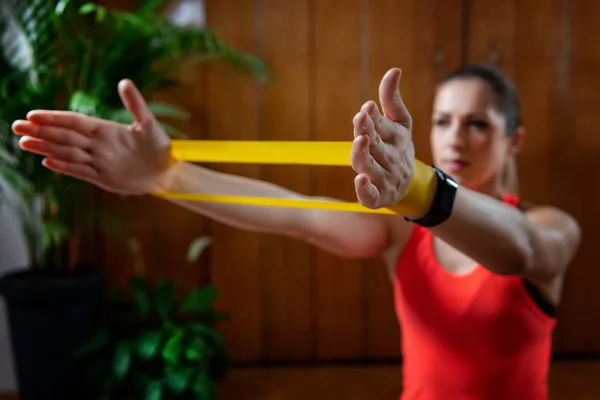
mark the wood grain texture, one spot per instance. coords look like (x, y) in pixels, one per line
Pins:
(578, 190)
(287, 272)
(338, 69)
(233, 113)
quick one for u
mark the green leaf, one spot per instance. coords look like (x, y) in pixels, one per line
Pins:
(6, 157)
(61, 5)
(54, 234)
(192, 354)
(199, 300)
(154, 391)
(88, 8)
(164, 299)
(180, 380)
(96, 342)
(172, 131)
(168, 110)
(197, 247)
(148, 6)
(84, 103)
(204, 330)
(202, 387)
(172, 348)
(141, 295)
(148, 344)
(122, 360)
(220, 316)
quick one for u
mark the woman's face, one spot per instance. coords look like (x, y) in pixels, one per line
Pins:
(468, 137)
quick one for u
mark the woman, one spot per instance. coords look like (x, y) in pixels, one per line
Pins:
(476, 280)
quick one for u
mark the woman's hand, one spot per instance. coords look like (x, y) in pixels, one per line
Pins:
(383, 152)
(125, 159)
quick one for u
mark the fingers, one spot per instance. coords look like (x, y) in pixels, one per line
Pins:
(66, 119)
(367, 194)
(391, 101)
(368, 150)
(134, 101)
(384, 128)
(50, 133)
(76, 170)
(58, 151)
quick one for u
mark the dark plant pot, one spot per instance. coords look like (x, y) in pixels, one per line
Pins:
(50, 314)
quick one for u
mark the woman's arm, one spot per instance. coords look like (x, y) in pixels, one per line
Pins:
(136, 159)
(346, 234)
(537, 244)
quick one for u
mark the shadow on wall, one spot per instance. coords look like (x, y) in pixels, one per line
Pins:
(13, 256)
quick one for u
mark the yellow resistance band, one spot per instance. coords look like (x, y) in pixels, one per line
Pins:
(414, 201)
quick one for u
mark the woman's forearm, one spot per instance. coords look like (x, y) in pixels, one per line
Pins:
(189, 178)
(492, 233)
(353, 235)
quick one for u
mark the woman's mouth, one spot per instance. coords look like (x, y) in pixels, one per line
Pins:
(455, 165)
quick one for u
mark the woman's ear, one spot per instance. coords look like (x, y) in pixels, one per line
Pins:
(516, 141)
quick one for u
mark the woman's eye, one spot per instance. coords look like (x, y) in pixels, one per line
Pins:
(440, 122)
(479, 124)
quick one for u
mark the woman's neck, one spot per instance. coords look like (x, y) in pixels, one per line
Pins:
(493, 188)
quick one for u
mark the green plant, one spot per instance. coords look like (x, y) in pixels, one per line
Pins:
(71, 55)
(154, 344)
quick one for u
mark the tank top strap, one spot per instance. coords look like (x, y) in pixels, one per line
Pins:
(512, 199)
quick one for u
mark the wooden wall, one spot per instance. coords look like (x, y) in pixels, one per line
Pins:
(290, 302)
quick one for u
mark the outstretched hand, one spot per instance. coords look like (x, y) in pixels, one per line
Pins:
(125, 159)
(383, 151)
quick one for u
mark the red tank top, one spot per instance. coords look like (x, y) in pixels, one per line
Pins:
(478, 336)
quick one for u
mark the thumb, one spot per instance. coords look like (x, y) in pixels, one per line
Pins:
(134, 102)
(391, 101)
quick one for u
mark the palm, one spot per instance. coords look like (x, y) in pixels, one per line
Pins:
(383, 151)
(126, 159)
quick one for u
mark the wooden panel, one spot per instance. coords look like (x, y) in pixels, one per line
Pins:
(529, 49)
(547, 47)
(396, 39)
(492, 33)
(390, 26)
(287, 271)
(233, 113)
(579, 191)
(337, 97)
(529, 41)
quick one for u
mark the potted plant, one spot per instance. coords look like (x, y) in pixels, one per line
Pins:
(156, 342)
(71, 55)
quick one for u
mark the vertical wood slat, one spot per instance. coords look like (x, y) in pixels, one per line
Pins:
(390, 43)
(233, 114)
(546, 47)
(579, 190)
(398, 37)
(337, 66)
(287, 270)
(492, 33)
